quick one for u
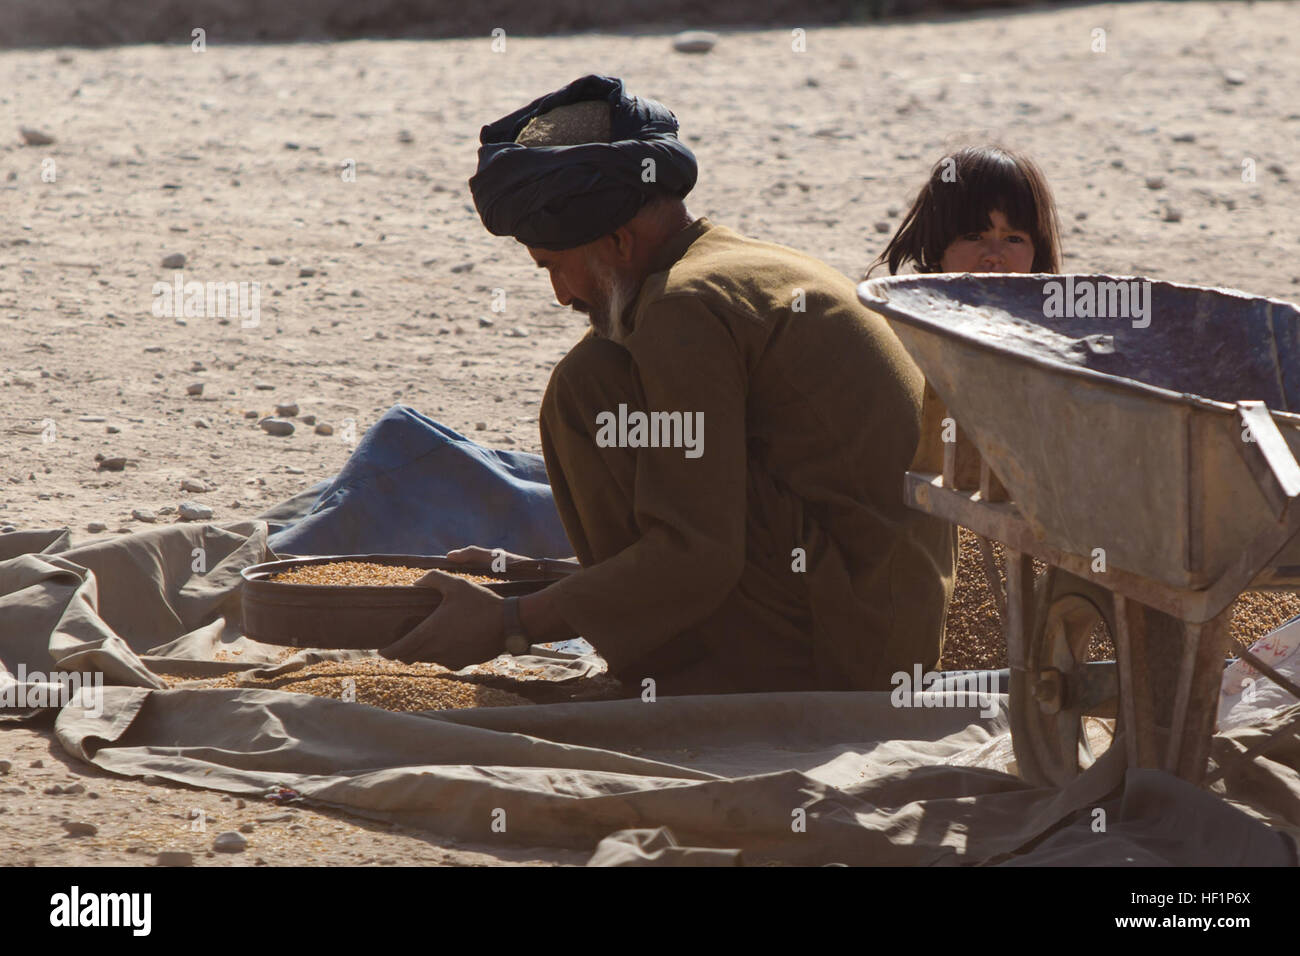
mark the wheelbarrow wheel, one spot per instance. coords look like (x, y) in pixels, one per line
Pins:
(1052, 697)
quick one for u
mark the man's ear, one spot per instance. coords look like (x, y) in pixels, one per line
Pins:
(623, 244)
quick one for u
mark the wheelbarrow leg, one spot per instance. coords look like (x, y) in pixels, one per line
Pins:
(1136, 707)
(1169, 723)
(1019, 616)
(1196, 706)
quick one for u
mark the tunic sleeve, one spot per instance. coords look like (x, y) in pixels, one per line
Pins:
(689, 503)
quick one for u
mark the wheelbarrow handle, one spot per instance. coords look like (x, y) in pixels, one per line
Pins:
(1268, 457)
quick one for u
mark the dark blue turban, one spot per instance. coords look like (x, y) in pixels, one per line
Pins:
(558, 197)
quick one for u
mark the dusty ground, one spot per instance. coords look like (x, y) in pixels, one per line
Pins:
(136, 821)
(233, 157)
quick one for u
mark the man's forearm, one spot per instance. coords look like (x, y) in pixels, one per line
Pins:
(541, 619)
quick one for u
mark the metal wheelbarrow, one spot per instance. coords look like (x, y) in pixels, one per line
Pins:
(1139, 438)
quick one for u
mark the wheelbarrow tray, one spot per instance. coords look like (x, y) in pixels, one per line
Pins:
(1119, 434)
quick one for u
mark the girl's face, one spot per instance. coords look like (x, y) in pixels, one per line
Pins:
(997, 249)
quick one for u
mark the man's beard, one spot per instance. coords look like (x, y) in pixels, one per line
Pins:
(618, 293)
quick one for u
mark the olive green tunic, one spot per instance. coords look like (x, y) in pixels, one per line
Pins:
(782, 557)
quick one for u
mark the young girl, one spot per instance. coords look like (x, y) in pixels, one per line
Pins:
(983, 209)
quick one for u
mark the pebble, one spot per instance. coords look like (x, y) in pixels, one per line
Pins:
(202, 423)
(1184, 137)
(251, 413)
(247, 827)
(484, 322)
(463, 267)
(194, 485)
(309, 419)
(74, 788)
(881, 226)
(229, 842)
(37, 764)
(324, 429)
(6, 766)
(274, 261)
(112, 429)
(174, 261)
(306, 272)
(142, 514)
(175, 858)
(1234, 77)
(291, 470)
(52, 791)
(1155, 182)
(80, 828)
(286, 409)
(95, 527)
(116, 463)
(193, 511)
(264, 386)
(518, 333)
(1173, 214)
(480, 426)
(276, 426)
(34, 137)
(404, 136)
(695, 41)
(195, 388)
(91, 418)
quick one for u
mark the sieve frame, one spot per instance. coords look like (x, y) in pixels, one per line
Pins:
(347, 617)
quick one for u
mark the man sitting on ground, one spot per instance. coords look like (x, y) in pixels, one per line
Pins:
(726, 444)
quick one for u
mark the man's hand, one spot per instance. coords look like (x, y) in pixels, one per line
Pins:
(466, 628)
(477, 557)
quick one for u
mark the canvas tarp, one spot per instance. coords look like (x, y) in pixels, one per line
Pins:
(809, 778)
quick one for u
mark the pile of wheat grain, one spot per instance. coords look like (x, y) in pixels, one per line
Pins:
(391, 685)
(974, 635)
(365, 574)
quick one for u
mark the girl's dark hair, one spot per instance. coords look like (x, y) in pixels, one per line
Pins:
(963, 189)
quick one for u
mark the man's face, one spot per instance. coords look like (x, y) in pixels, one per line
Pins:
(585, 281)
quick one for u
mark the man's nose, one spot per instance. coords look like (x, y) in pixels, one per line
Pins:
(562, 294)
